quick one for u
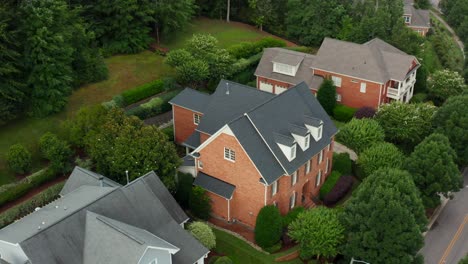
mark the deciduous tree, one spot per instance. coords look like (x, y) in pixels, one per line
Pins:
(380, 155)
(19, 159)
(445, 83)
(203, 233)
(360, 134)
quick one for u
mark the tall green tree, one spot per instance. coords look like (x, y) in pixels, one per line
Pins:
(360, 134)
(310, 21)
(47, 54)
(433, 168)
(445, 83)
(326, 95)
(262, 12)
(318, 232)
(452, 121)
(172, 16)
(380, 155)
(388, 194)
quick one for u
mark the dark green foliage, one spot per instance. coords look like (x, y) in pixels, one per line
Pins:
(364, 112)
(340, 190)
(388, 194)
(464, 260)
(422, 4)
(342, 163)
(155, 106)
(452, 121)
(419, 98)
(421, 79)
(172, 16)
(184, 188)
(268, 226)
(248, 49)
(276, 247)
(360, 134)
(329, 183)
(343, 113)
(326, 95)
(193, 72)
(143, 91)
(19, 159)
(310, 21)
(380, 155)
(432, 166)
(245, 67)
(406, 124)
(444, 84)
(223, 260)
(318, 232)
(169, 132)
(200, 203)
(292, 215)
(57, 151)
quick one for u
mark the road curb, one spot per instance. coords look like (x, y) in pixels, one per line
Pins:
(436, 214)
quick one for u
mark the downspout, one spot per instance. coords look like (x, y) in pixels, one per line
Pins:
(265, 199)
(380, 96)
(229, 209)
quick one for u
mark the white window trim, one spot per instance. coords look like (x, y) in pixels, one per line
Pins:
(308, 167)
(293, 203)
(307, 141)
(293, 152)
(200, 164)
(328, 147)
(294, 178)
(320, 157)
(274, 188)
(229, 154)
(363, 87)
(336, 81)
(338, 97)
(319, 178)
(196, 118)
(328, 166)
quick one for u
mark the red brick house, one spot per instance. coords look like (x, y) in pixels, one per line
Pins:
(416, 19)
(368, 74)
(250, 148)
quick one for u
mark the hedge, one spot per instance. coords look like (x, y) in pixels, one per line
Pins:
(27, 207)
(155, 106)
(343, 113)
(292, 215)
(342, 163)
(247, 49)
(268, 227)
(329, 183)
(341, 188)
(13, 191)
(244, 64)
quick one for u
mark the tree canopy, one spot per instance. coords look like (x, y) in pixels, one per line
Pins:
(445, 83)
(380, 155)
(360, 134)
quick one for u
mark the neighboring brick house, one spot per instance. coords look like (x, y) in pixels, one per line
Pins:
(368, 74)
(251, 148)
(416, 19)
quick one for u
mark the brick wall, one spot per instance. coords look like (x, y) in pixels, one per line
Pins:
(422, 31)
(183, 123)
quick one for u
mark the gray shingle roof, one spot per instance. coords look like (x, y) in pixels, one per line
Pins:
(193, 141)
(191, 99)
(80, 177)
(419, 17)
(214, 185)
(63, 238)
(303, 74)
(374, 61)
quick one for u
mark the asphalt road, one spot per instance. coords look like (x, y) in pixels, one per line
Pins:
(447, 241)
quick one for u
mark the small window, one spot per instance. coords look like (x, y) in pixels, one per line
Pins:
(307, 167)
(274, 188)
(229, 154)
(336, 81)
(307, 142)
(407, 19)
(363, 87)
(292, 200)
(294, 178)
(320, 157)
(338, 97)
(318, 179)
(319, 132)
(328, 166)
(200, 164)
(293, 152)
(196, 119)
(329, 147)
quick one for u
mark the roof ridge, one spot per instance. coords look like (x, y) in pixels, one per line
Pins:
(242, 85)
(105, 221)
(93, 174)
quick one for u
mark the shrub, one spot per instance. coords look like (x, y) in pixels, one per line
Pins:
(360, 134)
(268, 226)
(276, 247)
(342, 163)
(57, 151)
(326, 95)
(84, 163)
(155, 106)
(244, 65)
(341, 188)
(444, 84)
(27, 207)
(380, 155)
(184, 188)
(343, 113)
(169, 132)
(200, 203)
(329, 183)
(364, 112)
(247, 49)
(203, 233)
(19, 159)
(143, 91)
(224, 260)
(292, 215)
(419, 98)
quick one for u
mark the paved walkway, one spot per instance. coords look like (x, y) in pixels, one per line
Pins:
(454, 35)
(340, 148)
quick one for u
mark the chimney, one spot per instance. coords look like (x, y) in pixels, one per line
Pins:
(101, 181)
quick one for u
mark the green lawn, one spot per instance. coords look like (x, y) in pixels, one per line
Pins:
(125, 71)
(242, 253)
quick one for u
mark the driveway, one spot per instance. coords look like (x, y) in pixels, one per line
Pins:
(447, 241)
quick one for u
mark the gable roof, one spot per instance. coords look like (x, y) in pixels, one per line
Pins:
(375, 60)
(80, 177)
(191, 99)
(419, 17)
(62, 238)
(303, 74)
(260, 128)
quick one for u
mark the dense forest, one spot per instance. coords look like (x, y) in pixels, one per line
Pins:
(59, 45)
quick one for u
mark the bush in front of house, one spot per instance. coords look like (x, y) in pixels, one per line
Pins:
(223, 260)
(57, 151)
(268, 226)
(292, 215)
(380, 155)
(341, 188)
(203, 233)
(184, 188)
(19, 159)
(365, 112)
(329, 183)
(247, 49)
(419, 98)
(342, 163)
(326, 95)
(343, 113)
(200, 203)
(360, 134)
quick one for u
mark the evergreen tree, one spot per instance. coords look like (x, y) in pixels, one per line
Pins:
(432, 165)
(326, 95)
(172, 16)
(388, 194)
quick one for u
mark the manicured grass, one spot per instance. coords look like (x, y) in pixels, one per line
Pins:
(125, 71)
(240, 252)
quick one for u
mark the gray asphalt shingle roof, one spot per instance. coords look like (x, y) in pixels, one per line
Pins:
(419, 17)
(81, 176)
(193, 141)
(191, 99)
(214, 185)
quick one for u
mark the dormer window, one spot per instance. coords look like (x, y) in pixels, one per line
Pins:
(307, 142)
(293, 153)
(315, 127)
(407, 19)
(196, 119)
(301, 135)
(287, 144)
(284, 69)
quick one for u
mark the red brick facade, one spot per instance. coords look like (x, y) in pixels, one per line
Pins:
(420, 30)
(184, 124)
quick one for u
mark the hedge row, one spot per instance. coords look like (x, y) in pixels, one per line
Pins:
(155, 106)
(23, 209)
(341, 188)
(342, 163)
(141, 92)
(247, 49)
(243, 64)
(329, 183)
(343, 113)
(13, 191)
